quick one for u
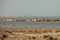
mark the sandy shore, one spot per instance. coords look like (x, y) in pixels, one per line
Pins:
(29, 33)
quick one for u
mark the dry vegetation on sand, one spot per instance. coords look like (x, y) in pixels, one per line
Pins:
(29, 33)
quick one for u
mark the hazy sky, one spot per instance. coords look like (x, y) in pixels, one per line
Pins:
(29, 7)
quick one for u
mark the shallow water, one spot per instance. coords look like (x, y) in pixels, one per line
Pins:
(27, 24)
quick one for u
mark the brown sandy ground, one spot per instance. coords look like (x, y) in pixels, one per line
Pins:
(29, 33)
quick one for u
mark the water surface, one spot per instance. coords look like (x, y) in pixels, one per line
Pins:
(28, 24)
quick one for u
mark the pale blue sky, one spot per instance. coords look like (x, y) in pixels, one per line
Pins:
(29, 7)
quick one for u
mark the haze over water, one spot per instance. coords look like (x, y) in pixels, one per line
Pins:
(18, 8)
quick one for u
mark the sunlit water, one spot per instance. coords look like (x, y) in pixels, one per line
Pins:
(27, 24)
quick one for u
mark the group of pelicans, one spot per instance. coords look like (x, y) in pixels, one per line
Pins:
(39, 20)
(31, 20)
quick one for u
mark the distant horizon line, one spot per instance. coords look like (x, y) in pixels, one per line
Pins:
(30, 16)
